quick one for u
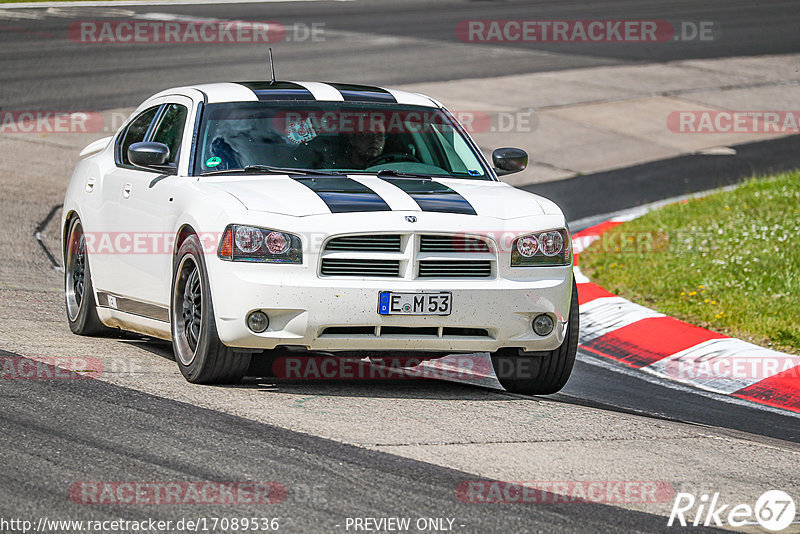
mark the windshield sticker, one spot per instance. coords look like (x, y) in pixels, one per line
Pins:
(301, 131)
(213, 161)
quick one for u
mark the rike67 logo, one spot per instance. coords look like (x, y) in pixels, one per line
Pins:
(774, 511)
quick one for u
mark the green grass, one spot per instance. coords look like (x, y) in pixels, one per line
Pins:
(729, 262)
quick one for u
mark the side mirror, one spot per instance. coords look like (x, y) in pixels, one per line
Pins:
(509, 160)
(151, 156)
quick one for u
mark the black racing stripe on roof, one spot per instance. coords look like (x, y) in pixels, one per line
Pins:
(363, 93)
(344, 195)
(279, 91)
(434, 196)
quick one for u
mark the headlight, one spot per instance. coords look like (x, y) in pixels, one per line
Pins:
(551, 243)
(248, 243)
(248, 239)
(278, 243)
(527, 246)
(542, 248)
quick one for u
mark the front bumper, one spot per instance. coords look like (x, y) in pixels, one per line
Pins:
(302, 307)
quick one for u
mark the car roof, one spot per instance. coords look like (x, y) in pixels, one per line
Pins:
(299, 91)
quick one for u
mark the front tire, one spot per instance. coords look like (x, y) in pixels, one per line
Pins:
(201, 356)
(542, 373)
(78, 290)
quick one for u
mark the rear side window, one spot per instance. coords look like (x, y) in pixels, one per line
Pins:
(170, 129)
(135, 132)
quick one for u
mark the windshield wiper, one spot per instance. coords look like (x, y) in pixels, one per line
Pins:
(398, 174)
(268, 169)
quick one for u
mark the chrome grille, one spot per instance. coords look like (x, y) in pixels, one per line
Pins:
(365, 243)
(452, 243)
(409, 256)
(359, 267)
(454, 269)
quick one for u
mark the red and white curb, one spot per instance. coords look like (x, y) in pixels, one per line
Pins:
(640, 338)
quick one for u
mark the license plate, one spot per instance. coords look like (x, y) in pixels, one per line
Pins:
(391, 303)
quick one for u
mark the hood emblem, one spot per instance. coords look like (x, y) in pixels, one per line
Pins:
(411, 218)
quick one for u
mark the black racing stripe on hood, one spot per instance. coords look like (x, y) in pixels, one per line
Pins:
(279, 91)
(433, 196)
(363, 93)
(344, 195)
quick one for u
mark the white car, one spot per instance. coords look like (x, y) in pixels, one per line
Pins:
(239, 220)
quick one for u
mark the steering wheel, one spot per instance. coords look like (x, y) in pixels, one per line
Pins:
(392, 158)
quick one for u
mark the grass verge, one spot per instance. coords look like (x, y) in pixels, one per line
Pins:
(729, 262)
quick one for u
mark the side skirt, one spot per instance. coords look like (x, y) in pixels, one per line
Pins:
(133, 315)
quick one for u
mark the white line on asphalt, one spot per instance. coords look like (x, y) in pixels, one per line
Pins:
(64, 13)
(106, 3)
(22, 15)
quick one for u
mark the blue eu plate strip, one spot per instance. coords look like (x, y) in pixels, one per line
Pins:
(383, 303)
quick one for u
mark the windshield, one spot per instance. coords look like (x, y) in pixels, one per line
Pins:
(335, 136)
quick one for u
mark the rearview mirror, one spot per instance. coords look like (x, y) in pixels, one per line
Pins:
(509, 160)
(151, 156)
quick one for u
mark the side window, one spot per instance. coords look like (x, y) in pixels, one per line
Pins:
(135, 132)
(459, 155)
(467, 157)
(170, 130)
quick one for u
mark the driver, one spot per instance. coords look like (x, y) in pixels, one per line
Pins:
(365, 146)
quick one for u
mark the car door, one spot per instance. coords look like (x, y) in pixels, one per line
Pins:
(146, 213)
(110, 245)
(153, 203)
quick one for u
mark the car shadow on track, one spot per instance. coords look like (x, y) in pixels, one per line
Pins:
(456, 377)
(429, 389)
(159, 347)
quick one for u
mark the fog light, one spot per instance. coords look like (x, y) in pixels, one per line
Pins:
(257, 321)
(543, 324)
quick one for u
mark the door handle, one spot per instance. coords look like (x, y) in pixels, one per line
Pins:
(126, 191)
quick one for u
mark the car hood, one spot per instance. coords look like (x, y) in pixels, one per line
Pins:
(308, 195)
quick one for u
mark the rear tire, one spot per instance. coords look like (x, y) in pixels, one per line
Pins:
(201, 356)
(78, 290)
(541, 373)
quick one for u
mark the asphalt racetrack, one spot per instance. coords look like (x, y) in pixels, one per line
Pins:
(357, 448)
